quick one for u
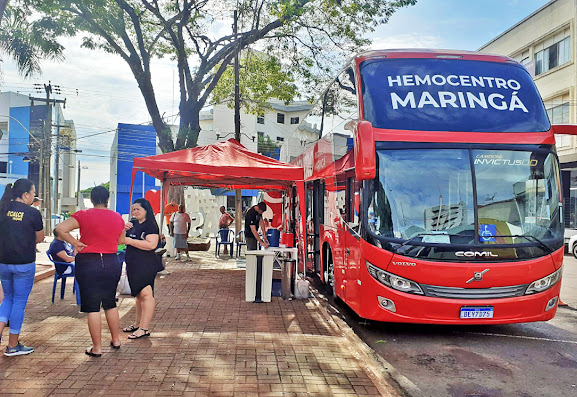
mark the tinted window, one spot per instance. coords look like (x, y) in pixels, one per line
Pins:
(451, 95)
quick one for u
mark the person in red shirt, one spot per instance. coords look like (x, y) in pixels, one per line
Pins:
(97, 266)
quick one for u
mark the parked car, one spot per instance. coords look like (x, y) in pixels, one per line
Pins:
(572, 245)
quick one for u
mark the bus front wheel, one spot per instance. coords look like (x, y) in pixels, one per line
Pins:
(330, 278)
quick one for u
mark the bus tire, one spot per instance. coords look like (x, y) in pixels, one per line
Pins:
(330, 279)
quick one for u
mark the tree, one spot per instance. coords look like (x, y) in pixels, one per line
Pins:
(267, 146)
(262, 77)
(27, 43)
(309, 36)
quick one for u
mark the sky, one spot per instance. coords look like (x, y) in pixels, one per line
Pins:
(101, 91)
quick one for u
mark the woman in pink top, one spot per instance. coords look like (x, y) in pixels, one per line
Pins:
(97, 267)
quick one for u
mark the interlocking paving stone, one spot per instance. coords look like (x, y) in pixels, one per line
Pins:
(205, 341)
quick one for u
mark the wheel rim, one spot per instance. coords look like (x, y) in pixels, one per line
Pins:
(331, 277)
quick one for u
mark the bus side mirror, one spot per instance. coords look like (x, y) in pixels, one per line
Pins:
(565, 129)
(365, 154)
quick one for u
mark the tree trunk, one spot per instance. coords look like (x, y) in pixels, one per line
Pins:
(162, 130)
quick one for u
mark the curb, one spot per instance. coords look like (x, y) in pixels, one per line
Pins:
(385, 377)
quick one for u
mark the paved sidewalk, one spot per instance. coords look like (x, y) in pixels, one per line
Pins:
(206, 341)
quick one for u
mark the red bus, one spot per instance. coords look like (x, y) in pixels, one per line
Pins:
(433, 190)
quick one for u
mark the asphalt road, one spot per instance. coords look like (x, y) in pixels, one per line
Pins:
(519, 360)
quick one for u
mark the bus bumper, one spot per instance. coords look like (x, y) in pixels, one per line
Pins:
(409, 308)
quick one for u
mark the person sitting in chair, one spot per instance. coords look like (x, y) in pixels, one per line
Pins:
(224, 222)
(61, 251)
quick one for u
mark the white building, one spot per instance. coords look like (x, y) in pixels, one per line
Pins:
(545, 42)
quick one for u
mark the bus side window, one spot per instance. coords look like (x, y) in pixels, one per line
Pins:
(353, 203)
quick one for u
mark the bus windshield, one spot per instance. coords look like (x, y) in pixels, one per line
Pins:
(512, 195)
(451, 95)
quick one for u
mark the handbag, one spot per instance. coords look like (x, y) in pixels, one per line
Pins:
(123, 287)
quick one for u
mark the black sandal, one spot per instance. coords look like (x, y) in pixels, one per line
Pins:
(132, 336)
(114, 346)
(91, 354)
(130, 328)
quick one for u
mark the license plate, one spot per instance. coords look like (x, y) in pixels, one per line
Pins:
(477, 312)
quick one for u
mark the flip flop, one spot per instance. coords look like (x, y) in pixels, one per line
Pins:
(130, 328)
(91, 354)
(133, 336)
(114, 346)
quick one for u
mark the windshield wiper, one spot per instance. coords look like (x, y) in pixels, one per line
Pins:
(529, 238)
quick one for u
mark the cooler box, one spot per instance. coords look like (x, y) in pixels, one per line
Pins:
(273, 236)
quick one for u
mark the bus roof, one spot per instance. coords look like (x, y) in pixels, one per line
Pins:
(431, 53)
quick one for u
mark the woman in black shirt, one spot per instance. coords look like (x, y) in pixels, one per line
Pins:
(142, 264)
(20, 230)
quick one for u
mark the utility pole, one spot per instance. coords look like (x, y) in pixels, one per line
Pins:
(238, 192)
(45, 151)
(78, 188)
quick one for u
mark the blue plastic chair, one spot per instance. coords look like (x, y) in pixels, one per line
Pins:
(240, 242)
(59, 269)
(224, 237)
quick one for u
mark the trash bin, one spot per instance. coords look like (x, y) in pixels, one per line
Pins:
(273, 236)
(287, 272)
(258, 276)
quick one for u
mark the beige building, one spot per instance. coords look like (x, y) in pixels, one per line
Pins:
(545, 43)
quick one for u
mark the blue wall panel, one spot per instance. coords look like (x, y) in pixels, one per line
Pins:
(133, 141)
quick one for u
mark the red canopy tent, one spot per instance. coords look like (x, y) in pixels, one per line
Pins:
(223, 164)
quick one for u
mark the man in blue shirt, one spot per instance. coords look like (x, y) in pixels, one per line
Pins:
(61, 251)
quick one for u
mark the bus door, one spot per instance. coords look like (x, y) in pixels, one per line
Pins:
(353, 242)
(313, 205)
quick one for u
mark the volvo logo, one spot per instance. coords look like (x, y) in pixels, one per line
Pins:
(475, 254)
(478, 276)
(404, 264)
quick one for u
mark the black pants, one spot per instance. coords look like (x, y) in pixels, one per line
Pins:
(251, 244)
(97, 276)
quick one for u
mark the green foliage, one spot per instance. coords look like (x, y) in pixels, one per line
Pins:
(266, 146)
(261, 78)
(89, 189)
(28, 42)
(306, 42)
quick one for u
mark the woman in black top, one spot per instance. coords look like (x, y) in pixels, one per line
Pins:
(142, 264)
(20, 230)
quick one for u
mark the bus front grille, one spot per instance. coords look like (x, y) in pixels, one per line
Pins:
(474, 293)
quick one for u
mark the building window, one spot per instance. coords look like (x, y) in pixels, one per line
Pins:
(295, 120)
(260, 133)
(280, 139)
(280, 118)
(3, 167)
(560, 115)
(260, 119)
(553, 56)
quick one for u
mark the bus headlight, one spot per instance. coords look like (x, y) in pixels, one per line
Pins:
(394, 281)
(544, 283)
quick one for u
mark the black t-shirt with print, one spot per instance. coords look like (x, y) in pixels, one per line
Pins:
(252, 218)
(136, 256)
(18, 226)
